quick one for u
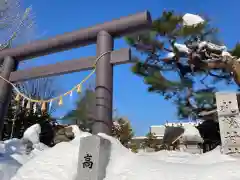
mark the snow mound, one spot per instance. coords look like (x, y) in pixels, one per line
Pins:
(13, 152)
(12, 156)
(32, 133)
(10, 151)
(8, 167)
(170, 156)
(213, 157)
(55, 163)
(60, 163)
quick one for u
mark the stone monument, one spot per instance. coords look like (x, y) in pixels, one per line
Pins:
(94, 154)
(229, 122)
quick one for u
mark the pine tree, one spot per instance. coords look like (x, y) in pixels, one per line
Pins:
(188, 83)
(83, 115)
(133, 147)
(151, 142)
(123, 131)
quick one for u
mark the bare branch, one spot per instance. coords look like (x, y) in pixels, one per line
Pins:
(14, 22)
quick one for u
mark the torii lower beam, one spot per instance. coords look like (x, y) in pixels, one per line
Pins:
(121, 56)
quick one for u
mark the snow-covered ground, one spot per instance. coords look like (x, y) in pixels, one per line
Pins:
(13, 153)
(60, 163)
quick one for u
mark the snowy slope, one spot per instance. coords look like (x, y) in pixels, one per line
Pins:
(60, 162)
(13, 152)
(12, 156)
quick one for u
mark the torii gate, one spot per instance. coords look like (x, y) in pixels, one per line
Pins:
(103, 35)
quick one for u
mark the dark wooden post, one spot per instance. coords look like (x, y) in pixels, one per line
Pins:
(9, 65)
(104, 85)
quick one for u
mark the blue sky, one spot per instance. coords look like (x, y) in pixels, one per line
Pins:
(131, 98)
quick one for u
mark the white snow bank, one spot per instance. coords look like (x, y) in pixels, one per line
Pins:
(210, 157)
(32, 133)
(13, 152)
(170, 156)
(213, 157)
(11, 158)
(8, 167)
(60, 163)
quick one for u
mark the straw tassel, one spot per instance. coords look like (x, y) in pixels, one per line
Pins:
(17, 97)
(43, 108)
(60, 101)
(50, 105)
(28, 105)
(71, 96)
(23, 102)
(34, 108)
(79, 88)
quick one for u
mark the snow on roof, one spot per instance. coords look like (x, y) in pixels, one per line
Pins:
(139, 137)
(180, 123)
(144, 137)
(157, 126)
(191, 133)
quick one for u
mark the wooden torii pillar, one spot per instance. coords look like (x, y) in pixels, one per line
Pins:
(103, 35)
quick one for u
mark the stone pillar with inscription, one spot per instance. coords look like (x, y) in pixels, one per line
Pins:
(94, 155)
(229, 122)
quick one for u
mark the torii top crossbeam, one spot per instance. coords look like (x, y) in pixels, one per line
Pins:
(82, 37)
